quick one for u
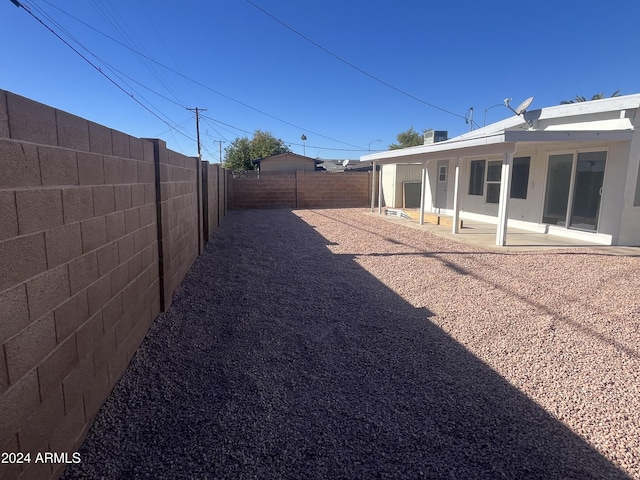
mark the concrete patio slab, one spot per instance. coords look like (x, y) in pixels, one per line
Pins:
(483, 235)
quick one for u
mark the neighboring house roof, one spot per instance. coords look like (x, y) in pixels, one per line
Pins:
(332, 165)
(285, 156)
(336, 166)
(597, 120)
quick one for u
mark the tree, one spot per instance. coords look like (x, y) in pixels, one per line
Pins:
(242, 151)
(597, 96)
(410, 138)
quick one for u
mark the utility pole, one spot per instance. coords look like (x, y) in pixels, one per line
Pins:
(198, 110)
(220, 142)
(199, 177)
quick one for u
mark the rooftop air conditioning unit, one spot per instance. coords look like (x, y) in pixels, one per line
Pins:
(435, 136)
(429, 136)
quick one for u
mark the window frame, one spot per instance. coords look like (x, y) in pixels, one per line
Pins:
(442, 170)
(522, 184)
(491, 183)
(477, 172)
(575, 152)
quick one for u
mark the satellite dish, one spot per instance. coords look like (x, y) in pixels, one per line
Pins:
(345, 162)
(524, 105)
(522, 108)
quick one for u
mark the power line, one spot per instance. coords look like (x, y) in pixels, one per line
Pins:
(355, 67)
(98, 69)
(214, 128)
(196, 82)
(227, 124)
(127, 35)
(120, 87)
(289, 143)
(119, 73)
(172, 127)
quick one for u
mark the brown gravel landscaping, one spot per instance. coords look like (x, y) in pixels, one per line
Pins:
(336, 344)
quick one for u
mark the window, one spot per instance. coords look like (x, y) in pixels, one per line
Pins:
(520, 177)
(442, 173)
(494, 172)
(476, 177)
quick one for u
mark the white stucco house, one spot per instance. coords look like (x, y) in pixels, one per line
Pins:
(569, 170)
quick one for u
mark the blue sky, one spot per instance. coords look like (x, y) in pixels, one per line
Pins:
(251, 72)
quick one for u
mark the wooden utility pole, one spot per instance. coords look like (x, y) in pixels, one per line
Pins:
(199, 178)
(198, 110)
(220, 142)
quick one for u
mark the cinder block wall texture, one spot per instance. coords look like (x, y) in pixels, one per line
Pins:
(333, 190)
(215, 196)
(266, 190)
(299, 190)
(85, 267)
(181, 225)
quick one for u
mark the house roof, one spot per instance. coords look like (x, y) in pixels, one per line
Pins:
(336, 166)
(598, 120)
(285, 155)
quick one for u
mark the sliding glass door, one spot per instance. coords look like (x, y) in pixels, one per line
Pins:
(557, 193)
(588, 190)
(574, 190)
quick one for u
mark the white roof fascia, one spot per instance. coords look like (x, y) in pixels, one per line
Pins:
(568, 135)
(611, 124)
(491, 145)
(584, 108)
(496, 144)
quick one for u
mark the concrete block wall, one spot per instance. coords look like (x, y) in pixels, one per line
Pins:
(223, 192)
(215, 196)
(266, 190)
(78, 272)
(333, 190)
(82, 209)
(179, 216)
(299, 190)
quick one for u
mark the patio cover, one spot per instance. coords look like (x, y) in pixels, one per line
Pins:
(503, 138)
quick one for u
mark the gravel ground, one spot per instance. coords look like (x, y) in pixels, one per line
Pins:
(330, 344)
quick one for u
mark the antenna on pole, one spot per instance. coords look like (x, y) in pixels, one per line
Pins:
(468, 118)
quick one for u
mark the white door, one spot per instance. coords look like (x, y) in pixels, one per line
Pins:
(441, 186)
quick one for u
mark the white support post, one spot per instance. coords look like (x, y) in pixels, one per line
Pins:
(456, 199)
(503, 204)
(373, 187)
(423, 193)
(380, 191)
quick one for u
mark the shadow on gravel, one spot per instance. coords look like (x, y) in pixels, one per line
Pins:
(281, 360)
(440, 256)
